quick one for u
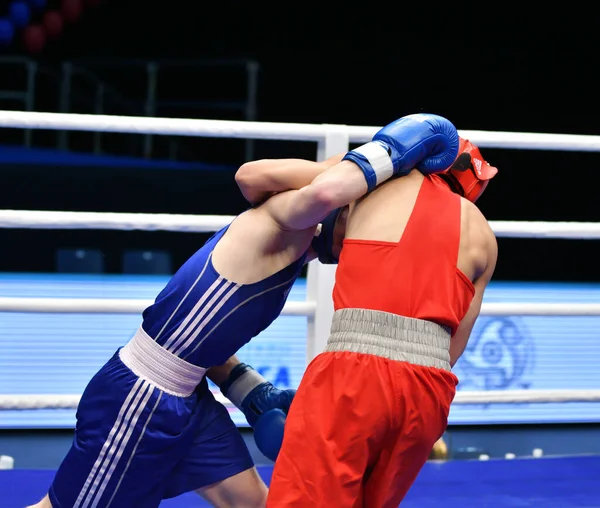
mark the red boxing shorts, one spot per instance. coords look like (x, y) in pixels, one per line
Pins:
(362, 426)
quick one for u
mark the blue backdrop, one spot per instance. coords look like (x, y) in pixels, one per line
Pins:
(58, 353)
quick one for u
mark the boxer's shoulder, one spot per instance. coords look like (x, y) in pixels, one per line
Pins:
(477, 232)
(474, 216)
(255, 247)
(246, 237)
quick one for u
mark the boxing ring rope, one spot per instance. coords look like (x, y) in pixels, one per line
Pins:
(307, 308)
(279, 131)
(318, 308)
(116, 306)
(483, 397)
(34, 219)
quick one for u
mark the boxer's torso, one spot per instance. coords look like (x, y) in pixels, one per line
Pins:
(411, 249)
(230, 290)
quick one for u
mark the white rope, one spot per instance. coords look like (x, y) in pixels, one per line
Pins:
(48, 401)
(539, 229)
(533, 141)
(33, 219)
(164, 126)
(270, 130)
(526, 396)
(540, 309)
(291, 308)
(113, 306)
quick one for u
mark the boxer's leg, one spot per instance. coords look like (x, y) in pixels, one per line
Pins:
(218, 464)
(423, 396)
(128, 437)
(338, 418)
(44, 503)
(243, 490)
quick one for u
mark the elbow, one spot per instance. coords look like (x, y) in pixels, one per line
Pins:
(248, 181)
(243, 176)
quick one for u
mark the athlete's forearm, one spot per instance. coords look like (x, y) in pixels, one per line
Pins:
(338, 186)
(342, 184)
(218, 375)
(258, 179)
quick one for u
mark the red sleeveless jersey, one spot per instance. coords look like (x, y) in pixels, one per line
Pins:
(416, 277)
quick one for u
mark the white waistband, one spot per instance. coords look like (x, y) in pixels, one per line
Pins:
(153, 363)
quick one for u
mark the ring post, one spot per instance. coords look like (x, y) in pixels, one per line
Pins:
(320, 278)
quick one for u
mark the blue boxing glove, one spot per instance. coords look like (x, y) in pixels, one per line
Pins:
(423, 141)
(264, 406)
(268, 433)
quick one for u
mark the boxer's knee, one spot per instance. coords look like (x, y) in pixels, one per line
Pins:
(44, 503)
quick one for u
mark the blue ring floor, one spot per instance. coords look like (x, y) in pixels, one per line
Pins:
(557, 482)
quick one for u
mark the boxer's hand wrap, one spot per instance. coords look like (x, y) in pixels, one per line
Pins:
(253, 394)
(423, 141)
(264, 406)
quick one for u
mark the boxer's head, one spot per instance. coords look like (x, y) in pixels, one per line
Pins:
(327, 243)
(470, 173)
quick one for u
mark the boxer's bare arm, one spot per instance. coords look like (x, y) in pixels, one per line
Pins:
(220, 373)
(301, 209)
(259, 179)
(461, 337)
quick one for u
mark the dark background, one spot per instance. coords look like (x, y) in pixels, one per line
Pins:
(486, 66)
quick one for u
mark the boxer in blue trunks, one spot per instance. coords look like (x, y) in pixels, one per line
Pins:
(148, 428)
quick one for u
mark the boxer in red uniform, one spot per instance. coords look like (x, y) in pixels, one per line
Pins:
(417, 257)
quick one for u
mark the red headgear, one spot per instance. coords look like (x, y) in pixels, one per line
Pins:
(470, 173)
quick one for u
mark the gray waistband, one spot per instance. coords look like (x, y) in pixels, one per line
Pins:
(390, 336)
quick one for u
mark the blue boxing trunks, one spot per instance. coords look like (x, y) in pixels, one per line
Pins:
(145, 432)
